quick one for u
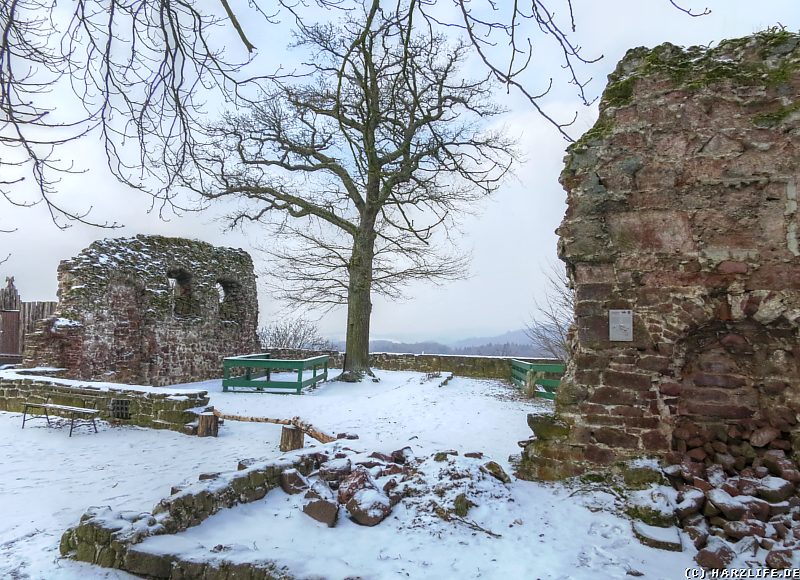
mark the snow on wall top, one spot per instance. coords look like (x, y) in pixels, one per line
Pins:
(147, 263)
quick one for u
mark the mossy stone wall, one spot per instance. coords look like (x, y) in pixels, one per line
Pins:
(153, 410)
(488, 367)
(113, 539)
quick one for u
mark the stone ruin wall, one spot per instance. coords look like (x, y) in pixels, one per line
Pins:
(149, 310)
(682, 206)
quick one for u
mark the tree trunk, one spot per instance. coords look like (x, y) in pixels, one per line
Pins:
(291, 439)
(359, 309)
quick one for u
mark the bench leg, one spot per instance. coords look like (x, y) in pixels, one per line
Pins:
(47, 416)
(94, 425)
(24, 416)
(71, 424)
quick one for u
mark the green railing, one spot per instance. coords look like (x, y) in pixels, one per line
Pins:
(544, 376)
(253, 372)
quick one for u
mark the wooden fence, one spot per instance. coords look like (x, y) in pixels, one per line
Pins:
(9, 298)
(19, 318)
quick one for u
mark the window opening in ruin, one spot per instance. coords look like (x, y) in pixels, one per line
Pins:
(184, 303)
(230, 304)
(120, 408)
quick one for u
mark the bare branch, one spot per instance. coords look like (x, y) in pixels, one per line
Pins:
(549, 327)
(235, 22)
(296, 333)
(136, 74)
(689, 11)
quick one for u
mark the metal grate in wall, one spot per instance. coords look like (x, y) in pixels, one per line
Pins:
(120, 408)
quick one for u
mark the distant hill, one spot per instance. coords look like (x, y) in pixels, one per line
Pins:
(511, 337)
(513, 343)
(413, 347)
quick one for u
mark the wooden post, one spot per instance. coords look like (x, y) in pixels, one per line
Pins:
(208, 425)
(291, 439)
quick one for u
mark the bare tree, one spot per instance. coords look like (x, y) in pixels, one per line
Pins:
(299, 333)
(549, 326)
(132, 69)
(137, 72)
(361, 161)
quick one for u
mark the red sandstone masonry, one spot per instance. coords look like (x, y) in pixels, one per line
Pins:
(682, 206)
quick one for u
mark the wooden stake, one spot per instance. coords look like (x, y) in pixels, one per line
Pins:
(291, 438)
(208, 425)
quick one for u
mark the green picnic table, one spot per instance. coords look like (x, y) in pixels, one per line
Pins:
(253, 372)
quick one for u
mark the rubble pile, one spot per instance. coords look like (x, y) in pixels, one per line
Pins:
(737, 491)
(368, 487)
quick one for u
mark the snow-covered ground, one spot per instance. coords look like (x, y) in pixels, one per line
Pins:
(47, 481)
(403, 408)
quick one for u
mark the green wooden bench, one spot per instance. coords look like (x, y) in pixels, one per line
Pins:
(253, 372)
(545, 375)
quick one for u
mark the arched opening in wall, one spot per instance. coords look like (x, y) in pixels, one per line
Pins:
(231, 306)
(736, 395)
(184, 303)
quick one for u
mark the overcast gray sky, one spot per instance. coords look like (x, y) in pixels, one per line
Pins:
(511, 237)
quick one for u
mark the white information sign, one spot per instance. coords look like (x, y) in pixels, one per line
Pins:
(620, 325)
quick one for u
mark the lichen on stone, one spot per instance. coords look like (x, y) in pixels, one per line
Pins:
(747, 61)
(600, 130)
(771, 119)
(768, 58)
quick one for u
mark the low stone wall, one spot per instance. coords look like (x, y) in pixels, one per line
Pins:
(108, 538)
(489, 367)
(168, 410)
